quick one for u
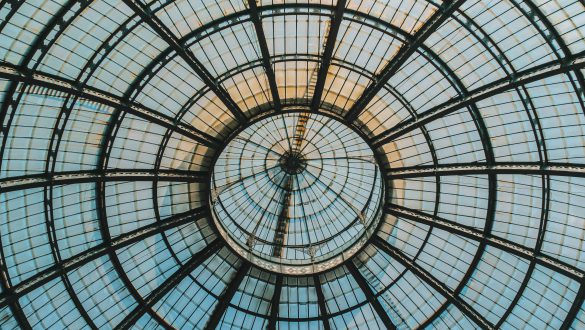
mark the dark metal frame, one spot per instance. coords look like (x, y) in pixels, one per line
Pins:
(52, 82)
(451, 296)
(39, 46)
(110, 175)
(327, 54)
(102, 249)
(275, 302)
(165, 33)
(195, 261)
(257, 20)
(521, 79)
(224, 301)
(321, 302)
(535, 168)
(370, 296)
(566, 63)
(491, 240)
(431, 25)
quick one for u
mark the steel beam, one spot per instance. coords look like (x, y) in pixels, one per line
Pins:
(257, 21)
(478, 235)
(499, 86)
(62, 178)
(100, 250)
(170, 283)
(557, 169)
(551, 35)
(9, 291)
(405, 52)
(275, 303)
(281, 229)
(321, 301)
(490, 159)
(165, 33)
(363, 284)
(89, 93)
(532, 265)
(226, 297)
(53, 238)
(575, 308)
(11, 6)
(42, 42)
(114, 124)
(440, 287)
(327, 54)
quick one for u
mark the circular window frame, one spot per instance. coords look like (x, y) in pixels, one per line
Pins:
(320, 266)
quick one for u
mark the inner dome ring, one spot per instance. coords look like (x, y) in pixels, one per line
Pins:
(296, 192)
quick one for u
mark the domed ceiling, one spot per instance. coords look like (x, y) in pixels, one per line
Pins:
(344, 164)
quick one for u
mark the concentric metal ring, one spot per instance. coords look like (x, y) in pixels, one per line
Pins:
(297, 192)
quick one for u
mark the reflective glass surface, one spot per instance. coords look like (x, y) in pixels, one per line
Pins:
(150, 178)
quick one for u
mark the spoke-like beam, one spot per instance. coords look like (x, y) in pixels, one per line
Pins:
(98, 251)
(283, 219)
(479, 235)
(433, 282)
(226, 297)
(62, 178)
(275, 303)
(37, 78)
(8, 290)
(12, 7)
(327, 54)
(361, 281)
(170, 283)
(321, 301)
(575, 308)
(359, 213)
(544, 214)
(402, 56)
(558, 169)
(167, 35)
(556, 37)
(497, 87)
(255, 16)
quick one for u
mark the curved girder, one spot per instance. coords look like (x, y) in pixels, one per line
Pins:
(567, 63)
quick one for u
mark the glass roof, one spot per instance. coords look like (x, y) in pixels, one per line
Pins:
(296, 193)
(457, 130)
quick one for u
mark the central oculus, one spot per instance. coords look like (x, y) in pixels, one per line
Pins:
(292, 162)
(296, 193)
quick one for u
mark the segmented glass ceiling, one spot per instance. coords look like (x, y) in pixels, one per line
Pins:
(296, 193)
(466, 120)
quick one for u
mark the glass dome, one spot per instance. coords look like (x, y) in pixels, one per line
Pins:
(304, 164)
(296, 193)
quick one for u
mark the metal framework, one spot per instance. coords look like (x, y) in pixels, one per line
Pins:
(557, 169)
(103, 249)
(275, 303)
(227, 296)
(170, 283)
(41, 180)
(60, 84)
(321, 301)
(405, 52)
(520, 79)
(265, 53)
(27, 77)
(193, 62)
(479, 235)
(361, 281)
(432, 281)
(327, 54)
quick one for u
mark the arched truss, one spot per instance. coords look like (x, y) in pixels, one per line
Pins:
(113, 112)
